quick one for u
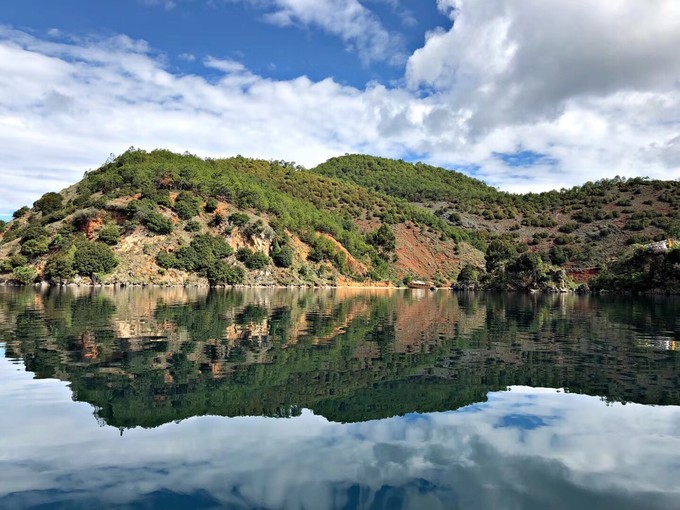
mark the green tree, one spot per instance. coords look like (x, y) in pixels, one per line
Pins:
(239, 219)
(59, 267)
(20, 212)
(49, 203)
(91, 258)
(158, 224)
(186, 205)
(24, 275)
(109, 234)
(36, 247)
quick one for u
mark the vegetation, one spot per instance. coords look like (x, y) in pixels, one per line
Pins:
(358, 216)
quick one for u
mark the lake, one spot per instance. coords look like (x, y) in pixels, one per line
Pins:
(337, 399)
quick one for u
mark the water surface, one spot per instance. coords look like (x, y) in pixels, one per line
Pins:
(173, 398)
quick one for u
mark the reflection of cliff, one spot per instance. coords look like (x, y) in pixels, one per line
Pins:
(145, 357)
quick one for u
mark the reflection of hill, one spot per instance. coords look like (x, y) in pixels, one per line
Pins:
(145, 357)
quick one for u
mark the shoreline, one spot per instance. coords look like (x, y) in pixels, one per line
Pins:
(119, 286)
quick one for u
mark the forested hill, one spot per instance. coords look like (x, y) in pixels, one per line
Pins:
(164, 218)
(581, 229)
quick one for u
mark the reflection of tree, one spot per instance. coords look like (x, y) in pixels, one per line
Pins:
(354, 356)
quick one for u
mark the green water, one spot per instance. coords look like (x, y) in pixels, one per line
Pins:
(174, 398)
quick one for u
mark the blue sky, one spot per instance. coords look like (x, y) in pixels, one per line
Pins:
(526, 95)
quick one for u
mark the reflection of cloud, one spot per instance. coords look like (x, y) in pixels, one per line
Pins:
(587, 453)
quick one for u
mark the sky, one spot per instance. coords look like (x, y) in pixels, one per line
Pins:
(527, 95)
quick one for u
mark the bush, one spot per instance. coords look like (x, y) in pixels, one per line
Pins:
(254, 229)
(283, 257)
(243, 254)
(257, 260)
(211, 205)
(221, 273)
(239, 219)
(186, 205)
(568, 228)
(216, 220)
(36, 247)
(59, 267)
(5, 266)
(109, 234)
(49, 203)
(468, 275)
(158, 224)
(33, 232)
(91, 258)
(20, 212)
(192, 226)
(24, 275)
(2, 226)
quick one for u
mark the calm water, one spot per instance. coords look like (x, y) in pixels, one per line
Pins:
(337, 399)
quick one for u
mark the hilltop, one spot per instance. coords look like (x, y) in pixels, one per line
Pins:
(169, 219)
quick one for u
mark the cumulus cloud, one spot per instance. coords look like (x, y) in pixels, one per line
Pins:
(595, 84)
(592, 88)
(357, 26)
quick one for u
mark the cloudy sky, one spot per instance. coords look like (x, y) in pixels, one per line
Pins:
(524, 94)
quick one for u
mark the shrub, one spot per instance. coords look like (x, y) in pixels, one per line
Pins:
(186, 205)
(2, 226)
(216, 220)
(257, 260)
(283, 257)
(192, 226)
(20, 212)
(469, 274)
(33, 232)
(221, 273)
(158, 224)
(36, 247)
(211, 205)
(239, 219)
(91, 258)
(59, 267)
(24, 275)
(5, 266)
(568, 228)
(49, 203)
(109, 234)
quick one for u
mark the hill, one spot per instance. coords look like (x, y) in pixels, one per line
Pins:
(164, 218)
(169, 219)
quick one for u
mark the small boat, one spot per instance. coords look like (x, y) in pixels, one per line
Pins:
(418, 284)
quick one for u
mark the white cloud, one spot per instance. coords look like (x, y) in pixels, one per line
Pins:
(595, 84)
(353, 23)
(596, 87)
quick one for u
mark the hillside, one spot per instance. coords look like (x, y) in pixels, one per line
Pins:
(169, 219)
(163, 218)
(581, 229)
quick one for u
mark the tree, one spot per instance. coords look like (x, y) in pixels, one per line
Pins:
(468, 275)
(59, 267)
(239, 219)
(24, 275)
(20, 212)
(109, 234)
(91, 258)
(283, 257)
(186, 205)
(49, 203)
(36, 247)
(158, 224)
